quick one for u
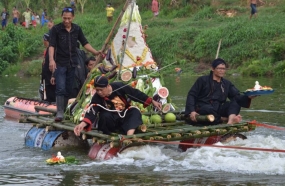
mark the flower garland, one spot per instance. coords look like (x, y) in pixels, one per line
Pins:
(138, 60)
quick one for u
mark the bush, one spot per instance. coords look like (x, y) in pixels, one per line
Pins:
(261, 67)
(17, 43)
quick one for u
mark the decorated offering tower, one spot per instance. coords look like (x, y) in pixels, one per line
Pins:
(128, 59)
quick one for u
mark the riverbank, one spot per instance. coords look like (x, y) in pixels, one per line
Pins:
(190, 37)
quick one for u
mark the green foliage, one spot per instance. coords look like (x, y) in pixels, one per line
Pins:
(10, 69)
(16, 43)
(277, 50)
(261, 67)
(279, 69)
(188, 31)
(33, 68)
(206, 12)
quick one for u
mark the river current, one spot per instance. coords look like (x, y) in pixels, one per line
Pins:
(158, 164)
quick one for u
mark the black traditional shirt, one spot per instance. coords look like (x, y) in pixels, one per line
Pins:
(121, 90)
(65, 43)
(208, 91)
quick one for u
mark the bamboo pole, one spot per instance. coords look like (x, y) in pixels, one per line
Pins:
(203, 118)
(36, 120)
(165, 124)
(40, 126)
(220, 128)
(174, 112)
(26, 115)
(218, 50)
(40, 108)
(91, 133)
(99, 58)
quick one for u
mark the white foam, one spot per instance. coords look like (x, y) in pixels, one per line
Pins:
(168, 158)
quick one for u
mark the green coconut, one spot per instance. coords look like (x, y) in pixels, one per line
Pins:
(145, 119)
(155, 118)
(170, 117)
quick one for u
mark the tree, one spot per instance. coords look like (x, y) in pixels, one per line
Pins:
(28, 3)
(82, 3)
(5, 3)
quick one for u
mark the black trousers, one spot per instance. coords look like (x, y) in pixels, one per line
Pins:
(111, 121)
(224, 110)
(50, 93)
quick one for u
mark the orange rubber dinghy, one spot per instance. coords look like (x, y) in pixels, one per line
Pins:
(15, 106)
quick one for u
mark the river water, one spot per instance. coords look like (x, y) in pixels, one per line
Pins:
(156, 164)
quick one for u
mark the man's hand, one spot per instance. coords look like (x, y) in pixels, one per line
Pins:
(52, 65)
(79, 128)
(52, 80)
(99, 52)
(193, 116)
(157, 104)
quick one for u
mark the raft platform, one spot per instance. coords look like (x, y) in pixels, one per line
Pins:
(46, 134)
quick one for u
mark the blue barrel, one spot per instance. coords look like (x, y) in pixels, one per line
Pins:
(49, 139)
(32, 135)
(40, 138)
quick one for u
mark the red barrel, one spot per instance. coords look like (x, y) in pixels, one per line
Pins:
(102, 152)
(206, 140)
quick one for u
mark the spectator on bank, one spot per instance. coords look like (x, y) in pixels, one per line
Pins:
(155, 8)
(253, 7)
(27, 16)
(16, 15)
(34, 22)
(38, 19)
(110, 10)
(4, 18)
(44, 18)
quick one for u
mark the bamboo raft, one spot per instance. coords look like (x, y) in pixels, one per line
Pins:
(107, 146)
(176, 131)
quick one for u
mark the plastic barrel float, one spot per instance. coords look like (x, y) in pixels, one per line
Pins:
(40, 138)
(209, 140)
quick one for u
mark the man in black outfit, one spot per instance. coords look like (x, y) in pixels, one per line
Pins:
(209, 95)
(63, 57)
(115, 96)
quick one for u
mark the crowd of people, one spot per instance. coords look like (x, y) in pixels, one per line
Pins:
(29, 18)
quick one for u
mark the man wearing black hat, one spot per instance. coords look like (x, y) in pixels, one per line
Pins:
(209, 95)
(113, 105)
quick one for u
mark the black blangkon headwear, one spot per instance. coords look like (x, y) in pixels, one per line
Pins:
(217, 62)
(101, 81)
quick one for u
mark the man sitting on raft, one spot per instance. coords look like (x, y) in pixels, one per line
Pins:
(209, 95)
(111, 102)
